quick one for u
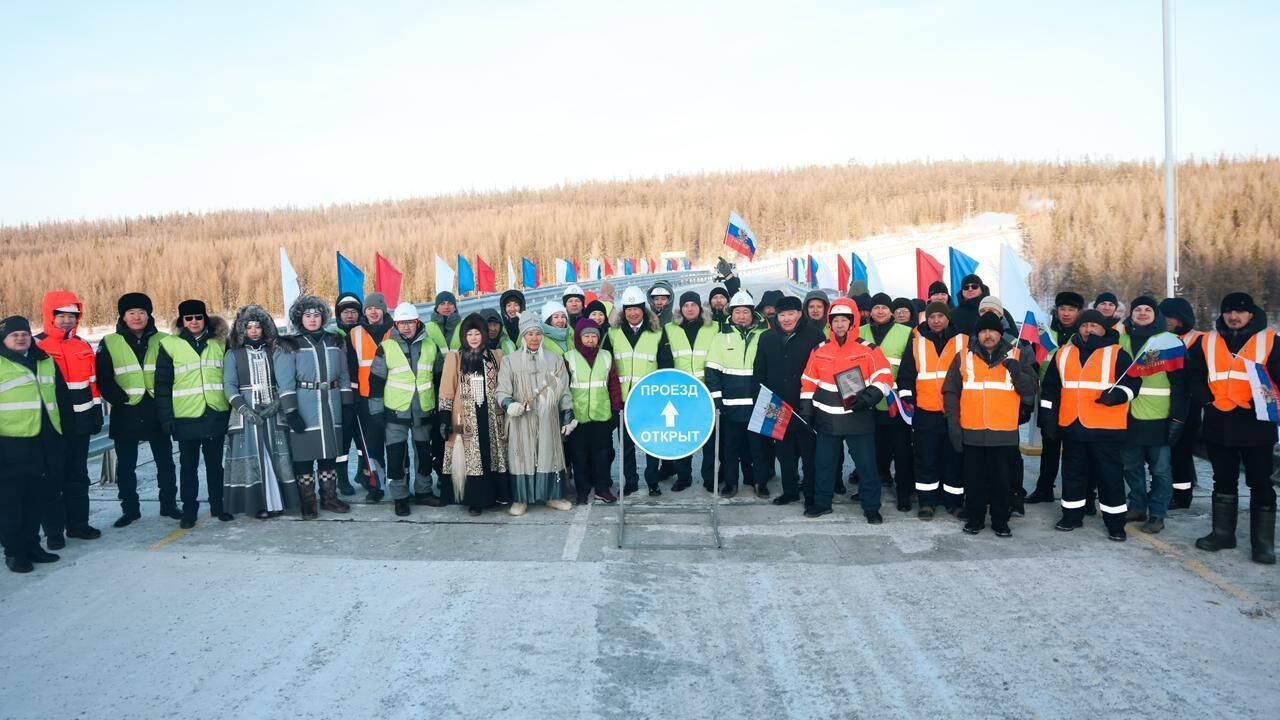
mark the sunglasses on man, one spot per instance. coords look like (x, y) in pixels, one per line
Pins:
(189, 318)
(972, 286)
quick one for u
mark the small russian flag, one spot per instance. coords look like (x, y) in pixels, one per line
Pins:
(896, 408)
(1266, 399)
(1162, 353)
(1038, 335)
(770, 416)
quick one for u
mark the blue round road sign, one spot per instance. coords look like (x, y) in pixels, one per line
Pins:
(669, 414)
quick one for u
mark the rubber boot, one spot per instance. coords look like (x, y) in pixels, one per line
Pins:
(344, 482)
(329, 493)
(1181, 500)
(1262, 535)
(307, 492)
(1223, 536)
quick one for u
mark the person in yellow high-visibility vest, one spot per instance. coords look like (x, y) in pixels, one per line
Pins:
(689, 337)
(126, 379)
(636, 343)
(192, 403)
(33, 398)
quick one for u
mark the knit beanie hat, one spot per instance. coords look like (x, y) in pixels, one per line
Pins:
(882, 299)
(1106, 297)
(902, 304)
(375, 300)
(717, 290)
(937, 307)
(690, 297)
(14, 323)
(446, 296)
(992, 302)
(990, 321)
(1093, 316)
(937, 286)
(529, 322)
(1144, 300)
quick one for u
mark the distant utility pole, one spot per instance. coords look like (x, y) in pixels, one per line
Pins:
(1170, 161)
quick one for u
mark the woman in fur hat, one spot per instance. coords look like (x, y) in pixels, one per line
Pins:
(472, 422)
(259, 472)
(314, 387)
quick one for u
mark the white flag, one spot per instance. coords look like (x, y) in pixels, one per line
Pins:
(444, 276)
(288, 282)
(1014, 290)
(562, 271)
(874, 283)
(595, 269)
(511, 275)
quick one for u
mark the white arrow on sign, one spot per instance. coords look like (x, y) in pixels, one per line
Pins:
(669, 412)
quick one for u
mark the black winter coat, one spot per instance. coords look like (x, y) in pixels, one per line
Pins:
(129, 423)
(212, 423)
(1051, 390)
(780, 360)
(40, 455)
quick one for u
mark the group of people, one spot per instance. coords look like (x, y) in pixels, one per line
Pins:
(508, 408)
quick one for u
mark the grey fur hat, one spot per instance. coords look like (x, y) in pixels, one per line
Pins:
(306, 303)
(253, 313)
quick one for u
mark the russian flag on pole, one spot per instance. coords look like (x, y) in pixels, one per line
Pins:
(897, 409)
(1162, 353)
(1266, 401)
(1038, 335)
(739, 237)
(770, 416)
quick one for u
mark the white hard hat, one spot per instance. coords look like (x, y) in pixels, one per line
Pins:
(633, 296)
(405, 311)
(659, 290)
(742, 298)
(573, 290)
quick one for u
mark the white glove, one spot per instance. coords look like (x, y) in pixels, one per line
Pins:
(515, 409)
(569, 428)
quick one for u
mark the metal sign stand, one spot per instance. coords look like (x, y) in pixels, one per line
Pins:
(711, 508)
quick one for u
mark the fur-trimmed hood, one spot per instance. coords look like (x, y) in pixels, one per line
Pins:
(253, 312)
(215, 325)
(305, 303)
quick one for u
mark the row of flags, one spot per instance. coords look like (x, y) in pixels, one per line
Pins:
(478, 276)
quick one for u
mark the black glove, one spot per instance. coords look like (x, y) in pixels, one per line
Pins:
(250, 415)
(1111, 398)
(957, 439)
(1013, 366)
(446, 427)
(1176, 427)
(864, 400)
(296, 423)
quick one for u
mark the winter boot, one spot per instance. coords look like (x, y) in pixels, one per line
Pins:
(1181, 500)
(329, 493)
(345, 488)
(1262, 535)
(1223, 536)
(307, 492)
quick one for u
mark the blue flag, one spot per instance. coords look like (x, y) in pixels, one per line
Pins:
(961, 266)
(530, 272)
(859, 270)
(350, 278)
(466, 276)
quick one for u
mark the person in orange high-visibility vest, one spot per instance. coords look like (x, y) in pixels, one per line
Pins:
(987, 390)
(1086, 398)
(933, 346)
(362, 344)
(1233, 432)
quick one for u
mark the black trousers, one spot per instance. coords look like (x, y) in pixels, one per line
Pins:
(794, 451)
(987, 483)
(736, 454)
(937, 468)
(189, 453)
(629, 471)
(22, 505)
(684, 466)
(893, 445)
(1102, 462)
(1050, 454)
(1258, 464)
(590, 448)
(67, 502)
(1182, 459)
(127, 472)
(371, 437)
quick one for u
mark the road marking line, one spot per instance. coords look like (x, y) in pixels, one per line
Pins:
(577, 531)
(1200, 569)
(167, 539)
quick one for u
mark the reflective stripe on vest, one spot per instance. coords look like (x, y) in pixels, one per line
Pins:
(634, 362)
(22, 396)
(197, 379)
(589, 386)
(133, 378)
(1082, 386)
(988, 400)
(894, 347)
(691, 359)
(1155, 397)
(436, 336)
(932, 367)
(366, 347)
(1228, 374)
(403, 382)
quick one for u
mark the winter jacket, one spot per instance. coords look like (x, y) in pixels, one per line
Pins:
(1051, 388)
(75, 360)
(414, 349)
(821, 403)
(129, 423)
(1154, 432)
(908, 371)
(1025, 382)
(730, 369)
(1239, 427)
(40, 455)
(819, 325)
(664, 317)
(213, 423)
(315, 384)
(781, 360)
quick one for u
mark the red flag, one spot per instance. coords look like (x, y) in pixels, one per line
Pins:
(386, 280)
(843, 272)
(928, 272)
(608, 269)
(577, 272)
(486, 280)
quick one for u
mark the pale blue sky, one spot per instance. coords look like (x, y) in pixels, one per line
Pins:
(118, 108)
